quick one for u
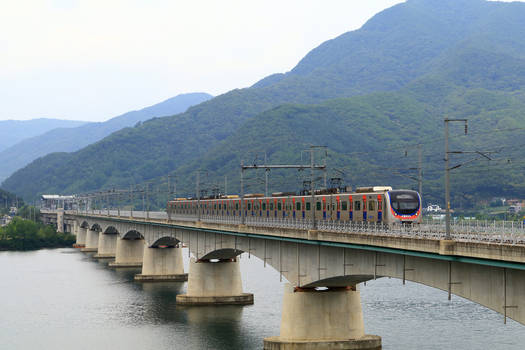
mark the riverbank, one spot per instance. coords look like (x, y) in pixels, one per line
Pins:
(23, 234)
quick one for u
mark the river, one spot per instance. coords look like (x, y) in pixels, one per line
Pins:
(64, 299)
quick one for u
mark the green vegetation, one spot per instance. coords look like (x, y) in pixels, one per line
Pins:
(21, 234)
(369, 95)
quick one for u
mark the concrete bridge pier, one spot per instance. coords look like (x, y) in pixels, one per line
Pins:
(81, 238)
(322, 319)
(129, 252)
(91, 241)
(162, 264)
(60, 220)
(107, 246)
(216, 282)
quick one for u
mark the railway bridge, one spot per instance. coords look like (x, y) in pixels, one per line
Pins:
(483, 262)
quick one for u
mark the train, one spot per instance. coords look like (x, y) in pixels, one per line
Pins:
(378, 204)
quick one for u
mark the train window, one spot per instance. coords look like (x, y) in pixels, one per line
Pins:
(271, 206)
(219, 206)
(279, 207)
(215, 206)
(318, 206)
(372, 205)
(298, 206)
(308, 206)
(249, 206)
(357, 205)
(236, 206)
(343, 205)
(264, 206)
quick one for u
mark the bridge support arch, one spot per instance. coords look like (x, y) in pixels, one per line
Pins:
(129, 250)
(215, 282)
(162, 261)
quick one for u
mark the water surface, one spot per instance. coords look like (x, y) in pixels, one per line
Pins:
(61, 298)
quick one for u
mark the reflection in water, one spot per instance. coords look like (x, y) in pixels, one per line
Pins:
(64, 299)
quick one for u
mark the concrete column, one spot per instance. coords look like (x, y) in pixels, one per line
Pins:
(107, 246)
(60, 220)
(129, 253)
(325, 319)
(214, 283)
(81, 238)
(162, 264)
(91, 241)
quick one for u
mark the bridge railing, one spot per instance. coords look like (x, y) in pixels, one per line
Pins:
(510, 232)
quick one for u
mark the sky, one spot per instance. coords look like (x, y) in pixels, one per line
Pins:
(95, 59)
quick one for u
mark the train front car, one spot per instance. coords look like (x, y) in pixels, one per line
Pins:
(404, 207)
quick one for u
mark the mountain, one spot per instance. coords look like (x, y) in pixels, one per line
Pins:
(71, 139)
(14, 131)
(369, 95)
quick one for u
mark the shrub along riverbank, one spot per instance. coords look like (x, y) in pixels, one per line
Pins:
(23, 234)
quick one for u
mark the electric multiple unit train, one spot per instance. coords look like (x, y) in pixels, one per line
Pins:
(378, 204)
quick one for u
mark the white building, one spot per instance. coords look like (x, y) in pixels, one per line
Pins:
(434, 208)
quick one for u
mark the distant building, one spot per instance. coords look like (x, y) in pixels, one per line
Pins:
(5, 220)
(434, 208)
(515, 209)
(13, 211)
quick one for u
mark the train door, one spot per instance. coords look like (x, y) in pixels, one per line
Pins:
(267, 208)
(358, 212)
(302, 208)
(372, 209)
(344, 208)
(293, 207)
(379, 208)
(333, 207)
(283, 200)
(338, 208)
(364, 218)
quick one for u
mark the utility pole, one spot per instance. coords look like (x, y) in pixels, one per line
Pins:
(420, 171)
(312, 189)
(266, 173)
(147, 200)
(447, 174)
(198, 196)
(243, 219)
(118, 203)
(225, 185)
(143, 201)
(131, 200)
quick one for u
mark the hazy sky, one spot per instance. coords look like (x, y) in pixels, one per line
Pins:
(95, 59)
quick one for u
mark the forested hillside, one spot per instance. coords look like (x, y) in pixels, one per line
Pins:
(370, 96)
